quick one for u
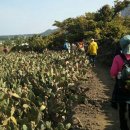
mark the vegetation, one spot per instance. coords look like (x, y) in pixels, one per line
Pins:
(106, 25)
(38, 91)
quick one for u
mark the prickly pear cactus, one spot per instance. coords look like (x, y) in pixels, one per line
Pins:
(39, 90)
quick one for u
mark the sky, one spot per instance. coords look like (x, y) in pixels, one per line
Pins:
(36, 16)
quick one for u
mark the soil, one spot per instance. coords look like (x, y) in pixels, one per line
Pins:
(97, 113)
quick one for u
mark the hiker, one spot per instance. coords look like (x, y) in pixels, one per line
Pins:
(81, 45)
(118, 51)
(120, 72)
(74, 47)
(92, 52)
(67, 46)
(5, 49)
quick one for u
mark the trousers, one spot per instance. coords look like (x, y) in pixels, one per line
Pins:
(123, 109)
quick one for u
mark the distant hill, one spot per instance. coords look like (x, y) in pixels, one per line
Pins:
(46, 33)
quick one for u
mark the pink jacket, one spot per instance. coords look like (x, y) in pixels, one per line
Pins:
(117, 65)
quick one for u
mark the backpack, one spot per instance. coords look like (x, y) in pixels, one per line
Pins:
(125, 74)
(65, 46)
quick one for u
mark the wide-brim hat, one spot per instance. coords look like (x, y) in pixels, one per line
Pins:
(125, 44)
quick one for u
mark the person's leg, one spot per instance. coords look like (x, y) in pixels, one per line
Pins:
(129, 111)
(94, 60)
(114, 95)
(129, 115)
(69, 50)
(122, 116)
(90, 59)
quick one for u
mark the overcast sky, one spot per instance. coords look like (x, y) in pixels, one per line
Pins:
(36, 16)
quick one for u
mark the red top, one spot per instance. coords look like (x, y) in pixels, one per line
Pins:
(117, 64)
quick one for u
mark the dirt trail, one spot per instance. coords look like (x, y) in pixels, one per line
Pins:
(97, 113)
(110, 115)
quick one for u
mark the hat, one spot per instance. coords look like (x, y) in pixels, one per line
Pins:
(125, 44)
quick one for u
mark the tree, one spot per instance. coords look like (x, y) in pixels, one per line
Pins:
(119, 6)
(104, 14)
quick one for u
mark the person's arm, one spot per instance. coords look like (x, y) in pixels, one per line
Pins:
(113, 77)
(114, 68)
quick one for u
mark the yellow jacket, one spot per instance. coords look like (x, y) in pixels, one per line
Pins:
(92, 48)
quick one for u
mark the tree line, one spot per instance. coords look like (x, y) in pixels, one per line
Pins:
(106, 25)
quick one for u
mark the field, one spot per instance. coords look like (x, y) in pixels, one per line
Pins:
(54, 91)
(39, 90)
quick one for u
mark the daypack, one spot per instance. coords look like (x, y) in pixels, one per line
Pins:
(125, 74)
(65, 45)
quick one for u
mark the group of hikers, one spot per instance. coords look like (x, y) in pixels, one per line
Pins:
(90, 49)
(119, 71)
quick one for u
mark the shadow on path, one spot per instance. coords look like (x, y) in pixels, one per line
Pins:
(111, 115)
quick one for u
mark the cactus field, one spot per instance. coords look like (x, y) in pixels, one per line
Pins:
(39, 90)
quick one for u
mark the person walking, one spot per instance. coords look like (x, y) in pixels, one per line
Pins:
(67, 46)
(5, 49)
(81, 46)
(120, 71)
(92, 52)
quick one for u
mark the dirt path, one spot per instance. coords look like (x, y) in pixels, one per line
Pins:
(97, 113)
(110, 121)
